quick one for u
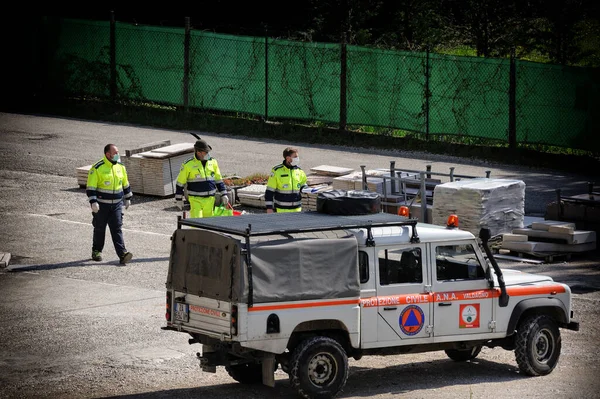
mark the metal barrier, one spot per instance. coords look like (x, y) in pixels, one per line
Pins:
(396, 176)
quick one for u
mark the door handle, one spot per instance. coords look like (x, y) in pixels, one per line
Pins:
(444, 304)
(387, 308)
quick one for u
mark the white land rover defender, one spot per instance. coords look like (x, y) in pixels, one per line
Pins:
(308, 290)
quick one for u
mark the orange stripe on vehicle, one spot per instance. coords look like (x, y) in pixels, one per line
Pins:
(536, 290)
(303, 305)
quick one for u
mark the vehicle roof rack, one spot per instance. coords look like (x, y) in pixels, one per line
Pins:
(252, 225)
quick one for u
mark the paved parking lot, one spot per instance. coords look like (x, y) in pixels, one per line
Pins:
(73, 328)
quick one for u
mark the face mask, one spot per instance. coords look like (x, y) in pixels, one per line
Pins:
(296, 161)
(115, 158)
(206, 157)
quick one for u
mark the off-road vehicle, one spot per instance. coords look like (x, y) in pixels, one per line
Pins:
(306, 291)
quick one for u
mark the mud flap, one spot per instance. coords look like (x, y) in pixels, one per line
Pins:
(268, 371)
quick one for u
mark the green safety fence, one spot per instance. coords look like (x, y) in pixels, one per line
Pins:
(435, 94)
(386, 88)
(227, 73)
(557, 105)
(76, 57)
(149, 63)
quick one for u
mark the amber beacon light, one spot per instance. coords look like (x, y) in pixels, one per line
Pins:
(403, 211)
(452, 221)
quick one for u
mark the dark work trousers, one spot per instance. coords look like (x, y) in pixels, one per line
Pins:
(111, 215)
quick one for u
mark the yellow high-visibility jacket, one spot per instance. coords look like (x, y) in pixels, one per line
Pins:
(107, 183)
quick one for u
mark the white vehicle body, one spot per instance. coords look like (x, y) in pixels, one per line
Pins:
(330, 287)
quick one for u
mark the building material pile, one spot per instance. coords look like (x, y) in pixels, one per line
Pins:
(154, 172)
(496, 204)
(547, 238)
(252, 195)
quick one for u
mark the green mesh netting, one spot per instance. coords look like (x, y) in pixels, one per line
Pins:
(150, 63)
(227, 73)
(557, 105)
(469, 96)
(304, 81)
(386, 88)
(78, 56)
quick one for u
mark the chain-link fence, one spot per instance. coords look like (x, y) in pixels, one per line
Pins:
(500, 100)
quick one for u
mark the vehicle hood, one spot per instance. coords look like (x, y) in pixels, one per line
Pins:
(516, 277)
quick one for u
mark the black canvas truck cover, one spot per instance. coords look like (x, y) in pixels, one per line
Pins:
(211, 264)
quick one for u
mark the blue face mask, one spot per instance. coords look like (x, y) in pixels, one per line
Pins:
(115, 158)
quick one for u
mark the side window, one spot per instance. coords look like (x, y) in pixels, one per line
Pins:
(457, 262)
(400, 266)
(363, 266)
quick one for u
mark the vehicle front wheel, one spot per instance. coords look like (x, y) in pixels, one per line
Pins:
(462, 355)
(538, 345)
(319, 368)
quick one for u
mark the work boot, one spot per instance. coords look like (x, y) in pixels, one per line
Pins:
(97, 256)
(125, 258)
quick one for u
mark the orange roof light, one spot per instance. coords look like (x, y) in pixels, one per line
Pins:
(452, 221)
(403, 211)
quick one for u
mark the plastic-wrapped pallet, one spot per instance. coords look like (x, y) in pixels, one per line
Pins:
(496, 204)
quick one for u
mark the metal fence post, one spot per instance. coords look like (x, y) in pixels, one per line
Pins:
(186, 64)
(512, 103)
(364, 178)
(427, 95)
(343, 83)
(266, 75)
(392, 175)
(113, 58)
(423, 198)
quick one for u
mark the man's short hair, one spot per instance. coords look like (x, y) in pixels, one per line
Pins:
(107, 148)
(289, 151)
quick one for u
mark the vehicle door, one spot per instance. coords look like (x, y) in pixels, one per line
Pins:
(404, 303)
(462, 298)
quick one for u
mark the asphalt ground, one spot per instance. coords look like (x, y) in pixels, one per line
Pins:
(74, 328)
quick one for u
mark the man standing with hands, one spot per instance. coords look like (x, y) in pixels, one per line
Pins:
(108, 191)
(203, 178)
(284, 187)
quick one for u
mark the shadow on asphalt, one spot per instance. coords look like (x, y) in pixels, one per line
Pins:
(81, 263)
(364, 382)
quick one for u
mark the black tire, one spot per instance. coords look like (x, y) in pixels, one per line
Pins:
(319, 368)
(247, 373)
(462, 355)
(538, 345)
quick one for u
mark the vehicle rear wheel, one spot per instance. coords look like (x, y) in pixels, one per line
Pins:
(247, 373)
(462, 355)
(538, 345)
(319, 368)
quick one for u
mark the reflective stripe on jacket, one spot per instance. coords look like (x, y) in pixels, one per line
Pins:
(107, 183)
(284, 187)
(202, 180)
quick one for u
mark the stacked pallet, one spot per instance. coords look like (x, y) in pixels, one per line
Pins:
(252, 195)
(496, 204)
(347, 182)
(82, 175)
(328, 170)
(154, 172)
(547, 238)
(310, 194)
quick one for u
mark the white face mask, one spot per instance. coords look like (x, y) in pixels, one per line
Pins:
(296, 161)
